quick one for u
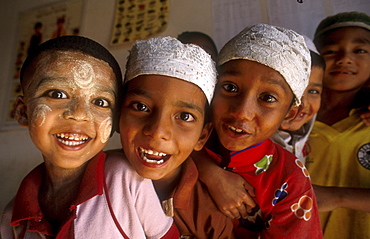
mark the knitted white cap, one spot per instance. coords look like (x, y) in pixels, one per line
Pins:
(169, 57)
(282, 49)
(310, 45)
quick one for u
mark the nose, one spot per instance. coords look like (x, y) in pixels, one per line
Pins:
(344, 57)
(159, 126)
(78, 110)
(304, 102)
(244, 108)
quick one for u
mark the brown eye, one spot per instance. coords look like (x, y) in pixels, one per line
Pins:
(57, 94)
(186, 117)
(140, 107)
(230, 88)
(101, 103)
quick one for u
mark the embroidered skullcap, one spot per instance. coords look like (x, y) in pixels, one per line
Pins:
(169, 57)
(344, 19)
(75, 43)
(281, 49)
(310, 45)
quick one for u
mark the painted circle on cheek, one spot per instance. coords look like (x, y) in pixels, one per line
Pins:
(105, 129)
(39, 114)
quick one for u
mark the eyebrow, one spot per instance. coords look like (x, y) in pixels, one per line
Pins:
(360, 40)
(51, 80)
(181, 104)
(315, 84)
(270, 81)
(63, 81)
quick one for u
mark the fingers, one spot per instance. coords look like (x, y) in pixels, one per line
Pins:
(249, 188)
(366, 118)
(236, 211)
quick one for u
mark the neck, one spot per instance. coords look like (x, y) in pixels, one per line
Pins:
(335, 106)
(165, 186)
(58, 191)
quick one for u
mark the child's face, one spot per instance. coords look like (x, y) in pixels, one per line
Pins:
(68, 106)
(347, 55)
(251, 101)
(161, 124)
(310, 101)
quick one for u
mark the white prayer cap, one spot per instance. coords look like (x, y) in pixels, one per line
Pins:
(310, 45)
(169, 57)
(278, 48)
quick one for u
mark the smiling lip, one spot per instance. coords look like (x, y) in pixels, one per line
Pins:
(72, 140)
(234, 131)
(151, 157)
(342, 72)
(300, 117)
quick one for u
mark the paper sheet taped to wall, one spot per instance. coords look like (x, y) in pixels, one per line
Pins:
(138, 19)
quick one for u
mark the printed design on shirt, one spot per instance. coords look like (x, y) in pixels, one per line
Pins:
(303, 208)
(280, 194)
(255, 221)
(363, 155)
(306, 149)
(263, 164)
(304, 169)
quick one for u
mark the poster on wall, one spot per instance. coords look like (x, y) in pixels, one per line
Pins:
(138, 20)
(35, 27)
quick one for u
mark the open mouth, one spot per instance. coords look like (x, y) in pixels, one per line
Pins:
(235, 130)
(71, 139)
(153, 157)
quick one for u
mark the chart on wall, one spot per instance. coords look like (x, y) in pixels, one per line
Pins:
(35, 27)
(138, 20)
(303, 16)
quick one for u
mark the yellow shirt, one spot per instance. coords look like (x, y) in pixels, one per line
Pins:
(339, 155)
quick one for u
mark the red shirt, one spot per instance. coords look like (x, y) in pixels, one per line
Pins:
(286, 203)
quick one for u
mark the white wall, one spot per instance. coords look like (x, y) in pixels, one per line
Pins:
(17, 153)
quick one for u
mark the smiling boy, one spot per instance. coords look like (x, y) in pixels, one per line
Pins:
(340, 141)
(164, 117)
(71, 89)
(263, 72)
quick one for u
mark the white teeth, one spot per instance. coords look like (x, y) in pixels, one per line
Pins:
(144, 152)
(235, 129)
(71, 137)
(71, 143)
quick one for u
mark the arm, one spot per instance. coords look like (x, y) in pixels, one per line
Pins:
(330, 198)
(231, 193)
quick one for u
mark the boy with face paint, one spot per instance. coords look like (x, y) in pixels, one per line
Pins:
(263, 71)
(169, 86)
(71, 89)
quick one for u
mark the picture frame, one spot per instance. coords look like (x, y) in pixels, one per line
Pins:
(34, 27)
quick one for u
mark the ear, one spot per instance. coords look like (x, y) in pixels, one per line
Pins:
(21, 112)
(290, 116)
(206, 132)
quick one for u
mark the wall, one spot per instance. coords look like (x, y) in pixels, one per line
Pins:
(17, 153)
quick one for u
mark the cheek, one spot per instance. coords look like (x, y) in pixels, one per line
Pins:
(105, 129)
(40, 113)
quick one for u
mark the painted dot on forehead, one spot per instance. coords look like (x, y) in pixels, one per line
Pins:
(83, 73)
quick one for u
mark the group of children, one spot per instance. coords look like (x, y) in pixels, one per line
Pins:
(159, 186)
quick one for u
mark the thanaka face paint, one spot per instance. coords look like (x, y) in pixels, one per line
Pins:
(70, 99)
